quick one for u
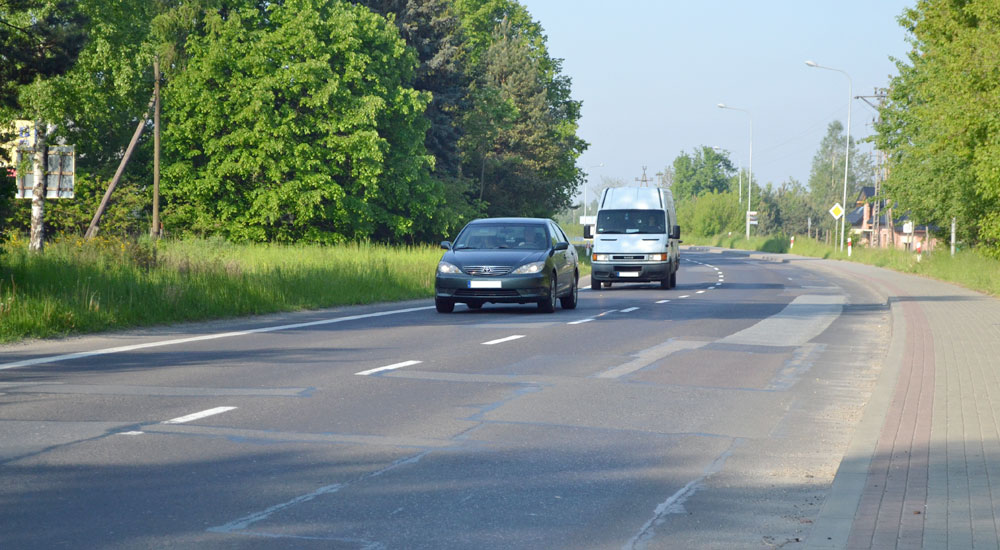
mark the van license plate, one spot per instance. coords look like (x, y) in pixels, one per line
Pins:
(485, 284)
(628, 273)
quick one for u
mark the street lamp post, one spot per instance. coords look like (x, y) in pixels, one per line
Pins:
(847, 147)
(750, 175)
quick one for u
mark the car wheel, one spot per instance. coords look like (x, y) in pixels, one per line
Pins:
(475, 305)
(569, 302)
(444, 305)
(594, 283)
(548, 305)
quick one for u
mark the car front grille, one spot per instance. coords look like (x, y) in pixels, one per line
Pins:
(486, 270)
(486, 293)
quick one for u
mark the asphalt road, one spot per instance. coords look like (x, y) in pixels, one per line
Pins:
(713, 415)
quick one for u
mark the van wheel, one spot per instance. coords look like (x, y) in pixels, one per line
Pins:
(594, 284)
(673, 279)
(665, 283)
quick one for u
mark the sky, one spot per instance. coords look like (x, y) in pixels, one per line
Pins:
(650, 74)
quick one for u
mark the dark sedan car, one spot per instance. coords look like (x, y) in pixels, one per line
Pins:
(508, 260)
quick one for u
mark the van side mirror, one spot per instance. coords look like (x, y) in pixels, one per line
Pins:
(587, 233)
(446, 245)
(675, 232)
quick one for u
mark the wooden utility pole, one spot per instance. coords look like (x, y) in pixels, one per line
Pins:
(37, 240)
(154, 231)
(92, 230)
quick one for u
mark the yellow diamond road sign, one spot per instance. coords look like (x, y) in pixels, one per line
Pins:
(837, 211)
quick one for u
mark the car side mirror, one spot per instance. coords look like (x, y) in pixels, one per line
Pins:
(675, 232)
(587, 233)
(562, 246)
(446, 245)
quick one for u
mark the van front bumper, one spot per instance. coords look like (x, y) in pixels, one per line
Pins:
(629, 272)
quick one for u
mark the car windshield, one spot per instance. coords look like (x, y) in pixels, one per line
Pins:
(502, 235)
(631, 221)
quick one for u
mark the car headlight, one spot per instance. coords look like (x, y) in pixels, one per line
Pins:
(600, 257)
(533, 267)
(445, 267)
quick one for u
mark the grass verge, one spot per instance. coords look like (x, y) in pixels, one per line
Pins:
(80, 286)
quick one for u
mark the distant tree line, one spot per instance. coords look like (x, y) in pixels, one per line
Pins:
(296, 120)
(711, 193)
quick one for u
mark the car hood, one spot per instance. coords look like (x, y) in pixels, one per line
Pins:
(499, 257)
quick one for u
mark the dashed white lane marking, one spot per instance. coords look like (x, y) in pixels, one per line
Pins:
(700, 292)
(198, 415)
(393, 366)
(629, 309)
(580, 322)
(685, 296)
(502, 340)
(662, 301)
(120, 349)
(246, 521)
(133, 432)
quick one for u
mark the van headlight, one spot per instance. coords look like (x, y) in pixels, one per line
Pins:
(445, 267)
(659, 257)
(600, 257)
(527, 269)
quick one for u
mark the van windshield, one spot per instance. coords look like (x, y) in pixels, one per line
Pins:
(631, 221)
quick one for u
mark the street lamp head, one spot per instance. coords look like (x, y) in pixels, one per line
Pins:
(811, 63)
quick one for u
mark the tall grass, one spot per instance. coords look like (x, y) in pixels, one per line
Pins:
(88, 286)
(967, 268)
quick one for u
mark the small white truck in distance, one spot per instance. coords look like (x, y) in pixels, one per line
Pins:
(637, 237)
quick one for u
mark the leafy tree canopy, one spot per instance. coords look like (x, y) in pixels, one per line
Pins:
(297, 121)
(941, 123)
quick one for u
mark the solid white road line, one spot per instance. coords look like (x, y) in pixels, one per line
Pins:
(198, 415)
(107, 351)
(629, 309)
(393, 366)
(502, 340)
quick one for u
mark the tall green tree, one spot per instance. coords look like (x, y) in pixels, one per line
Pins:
(704, 171)
(38, 39)
(96, 106)
(526, 165)
(940, 125)
(826, 176)
(433, 29)
(297, 121)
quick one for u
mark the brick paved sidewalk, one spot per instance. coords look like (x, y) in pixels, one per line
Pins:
(924, 464)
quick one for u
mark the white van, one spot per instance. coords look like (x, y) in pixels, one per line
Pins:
(637, 237)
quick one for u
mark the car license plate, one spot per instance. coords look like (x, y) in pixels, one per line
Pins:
(485, 284)
(628, 273)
